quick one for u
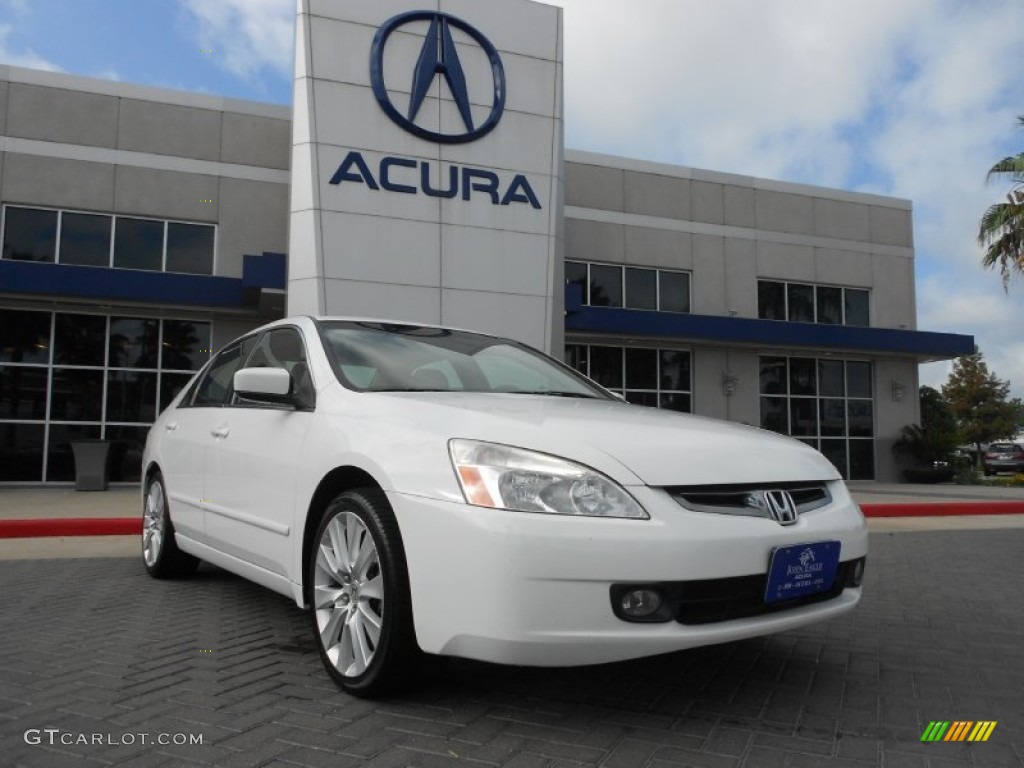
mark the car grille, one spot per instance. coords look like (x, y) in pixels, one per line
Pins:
(747, 500)
(712, 600)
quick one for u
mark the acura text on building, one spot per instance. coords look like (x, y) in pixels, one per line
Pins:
(409, 176)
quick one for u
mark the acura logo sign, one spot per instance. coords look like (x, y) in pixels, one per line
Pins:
(439, 56)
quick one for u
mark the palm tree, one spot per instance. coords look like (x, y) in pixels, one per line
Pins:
(1002, 227)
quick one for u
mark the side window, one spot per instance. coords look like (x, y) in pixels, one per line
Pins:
(283, 348)
(214, 389)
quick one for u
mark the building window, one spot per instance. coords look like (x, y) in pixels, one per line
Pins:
(609, 285)
(803, 303)
(30, 234)
(826, 403)
(189, 248)
(658, 378)
(85, 239)
(99, 240)
(70, 376)
(139, 244)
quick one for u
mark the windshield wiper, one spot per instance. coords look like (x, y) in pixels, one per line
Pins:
(414, 389)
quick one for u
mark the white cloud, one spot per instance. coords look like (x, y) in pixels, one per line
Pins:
(247, 36)
(25, 58)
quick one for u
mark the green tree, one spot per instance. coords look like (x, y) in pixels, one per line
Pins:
(1001, 233)
(980, 402)
(936, 437)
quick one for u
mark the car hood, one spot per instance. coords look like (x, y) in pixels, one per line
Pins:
(658, 447)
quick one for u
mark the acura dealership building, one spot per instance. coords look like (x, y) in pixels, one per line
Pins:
(422, 176)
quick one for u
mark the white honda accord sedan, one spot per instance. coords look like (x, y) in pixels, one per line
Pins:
(429, 490)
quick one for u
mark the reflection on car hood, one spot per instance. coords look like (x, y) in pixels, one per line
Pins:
(659, 447)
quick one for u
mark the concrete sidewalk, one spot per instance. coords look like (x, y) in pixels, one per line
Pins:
(47, 503)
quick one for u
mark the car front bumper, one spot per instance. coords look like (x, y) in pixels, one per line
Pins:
(534, 589)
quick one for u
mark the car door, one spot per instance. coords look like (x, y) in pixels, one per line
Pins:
(251, 471)
(187, 439)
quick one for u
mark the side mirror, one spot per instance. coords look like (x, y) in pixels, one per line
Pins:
(264, 385)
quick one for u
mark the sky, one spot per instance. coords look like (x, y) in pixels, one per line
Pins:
(915, 99)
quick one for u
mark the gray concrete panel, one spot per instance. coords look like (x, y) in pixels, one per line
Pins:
(590, 186)
(649, 247)
(164, 129)
(649, 194)
(785, 262)
(709, 263)
(166, 194)
(892, 226)
(55, 114)
(739, 206)
(4, 89)
(595, 241)
(745, 404)
(411, 303)
(892, 293)
(741, 277)
(850, 268)
(847, 221)
(58, 183)
(784, 212)
(251, 140)
(709, 397)
(253, 219)
(892, 414)
(502, 314)
(708, 202)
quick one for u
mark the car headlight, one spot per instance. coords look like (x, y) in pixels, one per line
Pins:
(502, 477)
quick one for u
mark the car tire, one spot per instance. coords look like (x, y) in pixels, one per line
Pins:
(361, 607)
(988, 473)
(160, 553)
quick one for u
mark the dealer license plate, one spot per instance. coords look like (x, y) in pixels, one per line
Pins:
(801, 570)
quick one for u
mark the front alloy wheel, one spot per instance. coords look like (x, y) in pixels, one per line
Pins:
(160, 553)
(360, 594)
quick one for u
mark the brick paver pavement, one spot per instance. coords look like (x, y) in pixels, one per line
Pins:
(94, 646)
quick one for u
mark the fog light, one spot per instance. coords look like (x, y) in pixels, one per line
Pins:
(858, 573)
(640, 603)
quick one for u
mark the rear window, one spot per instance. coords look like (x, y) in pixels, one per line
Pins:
(1004, 447)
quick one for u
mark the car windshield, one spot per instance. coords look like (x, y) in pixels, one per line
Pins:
(382, 357)
(1004, 447)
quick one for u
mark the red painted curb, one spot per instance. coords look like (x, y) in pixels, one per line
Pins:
(70, 526)
(943, 509)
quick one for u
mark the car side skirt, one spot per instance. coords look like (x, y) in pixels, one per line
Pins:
(261, 576)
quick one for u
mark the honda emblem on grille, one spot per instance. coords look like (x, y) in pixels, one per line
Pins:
(780, 506)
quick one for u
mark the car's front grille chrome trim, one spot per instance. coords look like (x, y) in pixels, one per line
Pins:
(767, 501)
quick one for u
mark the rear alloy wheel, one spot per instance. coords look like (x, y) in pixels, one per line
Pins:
(160, 553)
(362, 616)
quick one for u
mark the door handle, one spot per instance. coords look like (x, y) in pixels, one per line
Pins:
(221, 432)
(170, 427)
